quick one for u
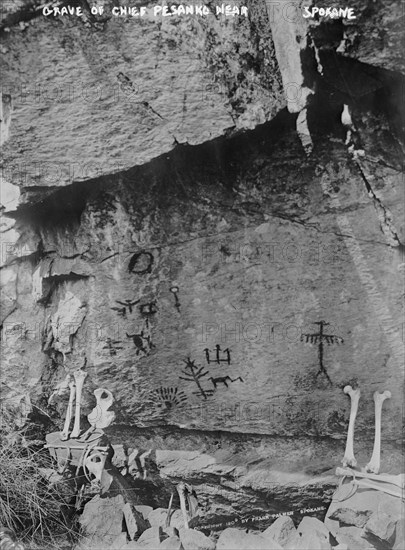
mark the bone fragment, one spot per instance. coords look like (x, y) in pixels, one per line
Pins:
(369, 484)
(69, 412)
(79, 376)
(349, 459)
(374, 465)
(100, 416)
(95, 464)
(169, 511)
(181, 489)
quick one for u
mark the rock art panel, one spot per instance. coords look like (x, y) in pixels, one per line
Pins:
(191, 266)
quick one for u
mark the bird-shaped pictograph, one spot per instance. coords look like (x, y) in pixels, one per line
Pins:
(126, 305)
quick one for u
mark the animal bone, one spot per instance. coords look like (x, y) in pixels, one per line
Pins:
(398, 480)
(79, 376)
(65, 432)
(100, 417)
(186, 491)
(374, 464)
(95, 464)
(181, 489)
(378, 487)
(169, 511)
(349, 459)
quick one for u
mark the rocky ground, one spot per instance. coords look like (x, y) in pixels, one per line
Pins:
(367, 520)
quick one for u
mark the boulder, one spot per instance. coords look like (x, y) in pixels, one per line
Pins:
(135, 522)
(230, 538)
(171, 531)
(382, 526)
(158, 517)
(311, 533)
(152, 537)
(112, 542)
(120, 456)
(399, 541)
(347, 516)
(236, 539)
(353, 538)
(251, 541)
(281, 531)
(144, 510)
(312, 525)
(191, 539)
(171, 543)
(177, 520)
(130, 546)
(362, 504)
(308, 541)
(103, 516)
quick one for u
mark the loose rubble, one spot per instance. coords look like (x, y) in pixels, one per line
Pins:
(369, 519)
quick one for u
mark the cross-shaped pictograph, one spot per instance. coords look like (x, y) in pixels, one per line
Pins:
(320, 338)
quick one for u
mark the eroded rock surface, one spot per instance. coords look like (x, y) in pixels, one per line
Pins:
(127, 90)
(174, 235)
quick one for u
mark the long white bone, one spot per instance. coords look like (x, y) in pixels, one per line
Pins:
(374, 464)
(79, 376)
(69, 412)
(349, 459)
(368, 484)
(398, 480)
(181, 489)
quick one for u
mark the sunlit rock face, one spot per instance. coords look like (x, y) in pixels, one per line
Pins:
(125, 91)
(222, 281)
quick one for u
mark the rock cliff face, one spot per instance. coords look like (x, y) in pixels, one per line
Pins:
(167, 228)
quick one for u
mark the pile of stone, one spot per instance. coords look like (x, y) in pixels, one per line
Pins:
(369, 519)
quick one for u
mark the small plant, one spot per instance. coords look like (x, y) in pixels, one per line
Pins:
(30, 505)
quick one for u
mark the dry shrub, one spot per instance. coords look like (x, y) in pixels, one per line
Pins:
(30, 504)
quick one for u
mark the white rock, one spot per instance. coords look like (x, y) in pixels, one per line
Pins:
(171, 543)
(237, 539)
(282, 531)
(382, 526)
(144, 510)
(158, 517)
(10, 196)
(313, 525)
(103, 516)
(352, 537)
(151, 538)
(195, 540)
(177, 520)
